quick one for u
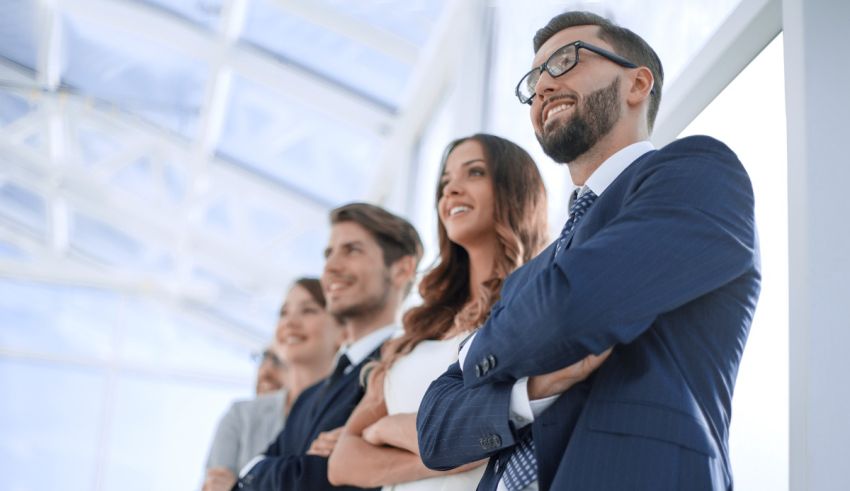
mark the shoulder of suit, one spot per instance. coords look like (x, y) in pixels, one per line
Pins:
(701, 143)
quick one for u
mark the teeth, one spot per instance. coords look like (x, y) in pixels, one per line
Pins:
(458, 209)
(555, 110)
(290, 340)
(336, 286)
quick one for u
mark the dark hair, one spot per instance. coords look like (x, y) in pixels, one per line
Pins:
(396, 237)
(519, 198)
(625, 43)
(313, 287)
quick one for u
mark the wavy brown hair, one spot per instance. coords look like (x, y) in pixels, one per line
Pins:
(519, 198)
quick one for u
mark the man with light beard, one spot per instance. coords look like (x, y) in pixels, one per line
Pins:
(610, 360)
(370, 264)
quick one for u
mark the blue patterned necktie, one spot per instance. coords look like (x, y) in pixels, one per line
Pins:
(522, 466)
(521, 469)
(577, 210)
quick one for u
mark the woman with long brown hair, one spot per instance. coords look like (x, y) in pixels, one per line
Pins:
(491, 205)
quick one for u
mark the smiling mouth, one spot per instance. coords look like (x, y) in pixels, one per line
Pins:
(337, 286)
(293, 340)
(559, 108)
(455, 210)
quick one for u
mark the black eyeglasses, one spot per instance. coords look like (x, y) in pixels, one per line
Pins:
(562, 60)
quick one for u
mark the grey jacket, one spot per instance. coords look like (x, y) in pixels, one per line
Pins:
(246, 430)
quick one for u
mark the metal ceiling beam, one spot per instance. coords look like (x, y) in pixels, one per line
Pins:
(375, 38)
(49, 52)
(425, 87)
(154, 26)
(150, 221)
(84, 112)
(744, 34)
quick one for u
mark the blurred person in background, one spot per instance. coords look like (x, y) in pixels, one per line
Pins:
(307, 338)
(370, 266)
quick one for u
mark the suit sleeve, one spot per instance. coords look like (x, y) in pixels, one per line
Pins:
(457, 425)
(685, 229)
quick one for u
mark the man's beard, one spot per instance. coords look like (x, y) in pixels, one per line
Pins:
(370, 305)
(590, 121)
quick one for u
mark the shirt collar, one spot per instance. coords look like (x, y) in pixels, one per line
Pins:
(363, 347)
(605, 174)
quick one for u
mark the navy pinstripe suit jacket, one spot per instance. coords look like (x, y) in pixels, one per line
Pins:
(665, 267)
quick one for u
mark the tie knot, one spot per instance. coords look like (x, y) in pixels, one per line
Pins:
(343, 363)
(582, 203)
(577, 209)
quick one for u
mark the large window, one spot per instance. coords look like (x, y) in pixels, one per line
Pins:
(749, 116)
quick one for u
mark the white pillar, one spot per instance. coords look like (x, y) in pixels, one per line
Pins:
(817, 96)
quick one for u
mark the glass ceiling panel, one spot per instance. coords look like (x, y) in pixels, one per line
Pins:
(348, 63)
(232, 304)
(205, 13)
(96, 143)
(23, 207)
(10, 251)
(142, 76)
(411, 20)
(12, 107)
(153, 179)
(286, 140)
(18, 31)
(104, 242)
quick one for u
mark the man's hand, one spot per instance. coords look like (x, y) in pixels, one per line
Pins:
(324, 444)
(219, 479)
(558, 382)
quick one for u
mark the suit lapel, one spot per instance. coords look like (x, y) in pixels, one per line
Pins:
(589, 217)
(328, 400)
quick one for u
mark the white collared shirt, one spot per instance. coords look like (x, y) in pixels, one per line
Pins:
(363, 347)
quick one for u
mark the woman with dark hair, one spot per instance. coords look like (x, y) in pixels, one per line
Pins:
(306, 339)
(491, 204)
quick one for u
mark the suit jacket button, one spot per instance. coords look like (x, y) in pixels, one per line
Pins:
(478, 371)
(496, 465)
(491, 361)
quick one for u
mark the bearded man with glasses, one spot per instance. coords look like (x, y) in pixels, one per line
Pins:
(610, 360)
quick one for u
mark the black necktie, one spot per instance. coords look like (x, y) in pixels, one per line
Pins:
(341, 364)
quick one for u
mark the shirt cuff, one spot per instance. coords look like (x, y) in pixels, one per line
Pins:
(250, 465)
(521, 412)
(524, 410)
(464, 350)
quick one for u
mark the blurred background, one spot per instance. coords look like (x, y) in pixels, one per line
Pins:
(166, 169)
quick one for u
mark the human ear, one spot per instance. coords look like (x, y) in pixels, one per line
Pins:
(641, 85)
(403, 271)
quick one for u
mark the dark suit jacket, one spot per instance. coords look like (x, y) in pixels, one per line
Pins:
(319, 408)
(665, 267)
